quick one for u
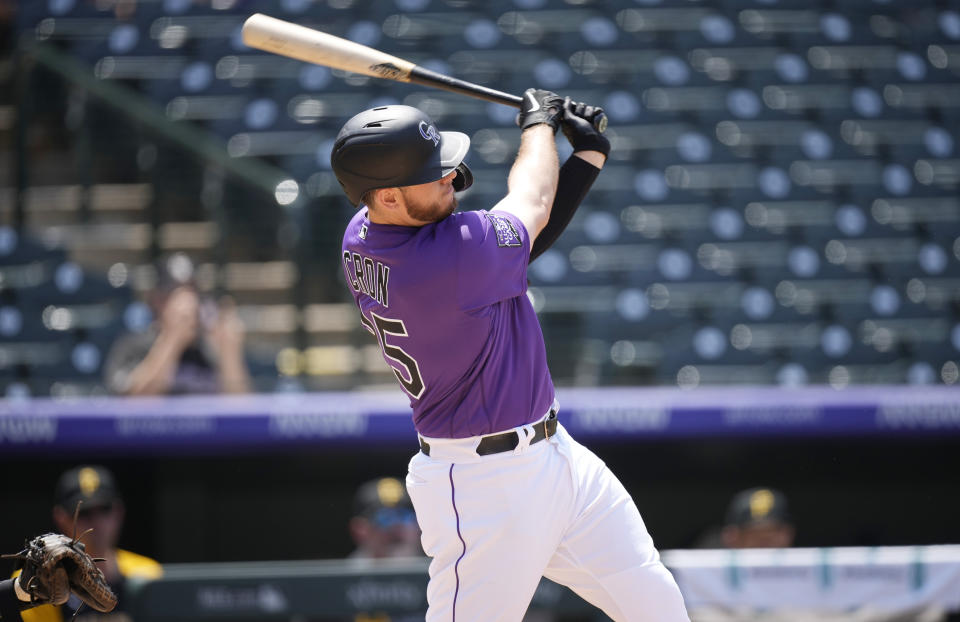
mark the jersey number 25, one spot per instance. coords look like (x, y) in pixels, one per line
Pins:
(381, 327)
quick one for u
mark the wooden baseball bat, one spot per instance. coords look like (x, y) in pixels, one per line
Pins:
(313, 46)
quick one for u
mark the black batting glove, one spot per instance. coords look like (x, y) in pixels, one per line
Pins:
(539, 106)
(578, 127)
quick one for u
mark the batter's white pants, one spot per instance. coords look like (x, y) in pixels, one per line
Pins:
(494, 525)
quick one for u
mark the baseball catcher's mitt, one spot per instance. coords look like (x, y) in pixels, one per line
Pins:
(55, 565)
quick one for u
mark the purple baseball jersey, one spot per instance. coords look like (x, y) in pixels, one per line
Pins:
(447, 303)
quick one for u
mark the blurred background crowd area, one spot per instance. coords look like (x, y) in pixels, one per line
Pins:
(780, 205)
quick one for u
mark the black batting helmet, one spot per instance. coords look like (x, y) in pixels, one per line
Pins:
(396, 145)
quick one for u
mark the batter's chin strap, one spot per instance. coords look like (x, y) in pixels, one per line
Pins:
(576, 177)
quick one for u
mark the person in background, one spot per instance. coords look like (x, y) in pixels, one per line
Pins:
(193, 346)
(102, 510)
(383, 524)
(758, 518)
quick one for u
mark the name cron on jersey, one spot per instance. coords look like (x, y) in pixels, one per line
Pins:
(367, 276)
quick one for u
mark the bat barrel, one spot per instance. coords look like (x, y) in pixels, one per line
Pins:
(313, 46)
(295, 41)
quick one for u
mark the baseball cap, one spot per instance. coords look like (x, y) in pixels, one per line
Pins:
(94, 485)
(383, 501)
(757, 505)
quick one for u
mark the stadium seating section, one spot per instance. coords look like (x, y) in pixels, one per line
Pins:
(780, 205)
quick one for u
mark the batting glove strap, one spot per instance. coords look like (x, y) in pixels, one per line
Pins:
(538, 106)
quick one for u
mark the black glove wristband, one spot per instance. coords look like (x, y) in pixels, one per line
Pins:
(595, 142)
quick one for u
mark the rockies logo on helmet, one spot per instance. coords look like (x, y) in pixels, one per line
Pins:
(429, 132)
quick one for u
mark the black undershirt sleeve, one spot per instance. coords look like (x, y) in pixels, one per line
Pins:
(10, 605)
(576, 177)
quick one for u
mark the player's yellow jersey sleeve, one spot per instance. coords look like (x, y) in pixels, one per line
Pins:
(43, 613)
(132, 565)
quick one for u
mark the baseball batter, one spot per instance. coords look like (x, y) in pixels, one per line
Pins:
(502, 493)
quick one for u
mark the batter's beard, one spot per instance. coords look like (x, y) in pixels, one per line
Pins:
(430, 212)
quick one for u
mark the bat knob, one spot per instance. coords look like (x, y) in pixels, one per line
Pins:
(600, 122)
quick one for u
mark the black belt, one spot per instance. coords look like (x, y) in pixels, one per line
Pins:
(508, 441)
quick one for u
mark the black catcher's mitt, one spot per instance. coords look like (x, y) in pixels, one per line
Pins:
(55, 565)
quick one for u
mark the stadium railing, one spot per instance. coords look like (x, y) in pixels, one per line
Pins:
(921, 582)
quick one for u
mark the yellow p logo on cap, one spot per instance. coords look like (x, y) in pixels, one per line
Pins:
(89, 481)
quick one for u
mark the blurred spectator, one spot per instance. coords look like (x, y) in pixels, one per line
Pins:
(194, 345)
(383, 524)
(101, 511)
(758, 518)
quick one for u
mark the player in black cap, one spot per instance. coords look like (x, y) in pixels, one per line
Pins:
(383, 524)
(102, 510)
(758, 518)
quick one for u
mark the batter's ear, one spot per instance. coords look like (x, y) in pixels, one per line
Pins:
(389, 198)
